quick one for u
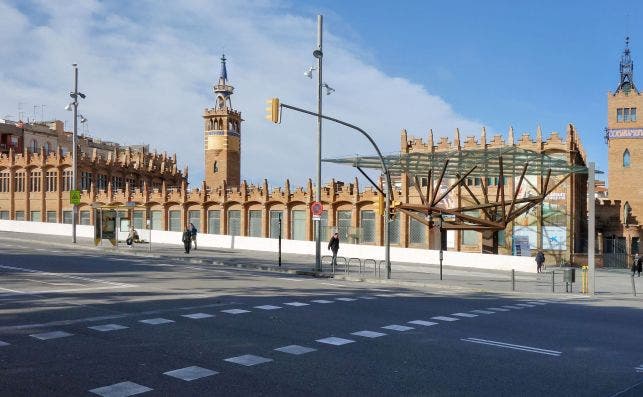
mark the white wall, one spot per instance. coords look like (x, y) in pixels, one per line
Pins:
(408, 255)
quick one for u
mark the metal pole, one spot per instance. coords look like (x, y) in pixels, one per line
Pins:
(389, 189)
(633, 285)
(513, 279)
(151, 228)
(279, 239)
(553, 280)
(74, 182)
(591, 229)
(317, 223)
(441, 252)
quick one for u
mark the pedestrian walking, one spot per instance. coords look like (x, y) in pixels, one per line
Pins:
(193, 233)
(187, 239)
(333, 245)
(637, 264)
(540, 259)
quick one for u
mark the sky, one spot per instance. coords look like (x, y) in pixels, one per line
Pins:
(147, 69)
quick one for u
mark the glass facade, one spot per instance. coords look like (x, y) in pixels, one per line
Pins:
(344, 225)
(214, 222)
(298, 225)
(194, 217)
(234, 222)
(174, 218)
(254, 223)
(417, 232)
(367, 224)
(156, 217)
(274, 223)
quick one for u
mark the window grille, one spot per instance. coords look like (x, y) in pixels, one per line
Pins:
(234, 222)
(214, 222)
(254, 223)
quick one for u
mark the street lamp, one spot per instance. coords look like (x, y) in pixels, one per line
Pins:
(319, 55)
(74, 105)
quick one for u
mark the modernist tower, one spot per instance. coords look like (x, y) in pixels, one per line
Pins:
(222, 136)
(624, 136)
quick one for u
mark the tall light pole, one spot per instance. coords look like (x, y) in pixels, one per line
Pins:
(319, 54)
(74, 181)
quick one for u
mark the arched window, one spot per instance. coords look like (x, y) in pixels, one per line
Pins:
(626, 158)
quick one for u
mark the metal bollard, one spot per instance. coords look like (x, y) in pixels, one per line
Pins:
(553, 280)
(633, 285)
(513, 279)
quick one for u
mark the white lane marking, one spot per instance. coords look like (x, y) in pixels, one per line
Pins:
(236, 311)
(483, 312)
(367, 297)
(368, 334)
(396, 327)
(122, 389)
(59, 291)
(333, 340)
(63, 275)
(512, 346)
(639, 368)
(268, 307)
(248, 360)
(296, 304)
(444, 318)
(345, 299)
(4, 343)
(422, 322)
(334, 285)
(525, 305)
(295, 349)
(290, 279)
(321, 301)
(156, 321)
(51, 335)
(197, 316)
(190, 373)
(57, 284)
(513, 307)
(469, 315)
(194, 268)
(537, 303)
(498, 309)
(108, 327)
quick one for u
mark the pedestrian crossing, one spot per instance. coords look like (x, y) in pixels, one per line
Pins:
(251, 359)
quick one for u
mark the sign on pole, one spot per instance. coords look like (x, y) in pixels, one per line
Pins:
(74, 197)
(316, 208)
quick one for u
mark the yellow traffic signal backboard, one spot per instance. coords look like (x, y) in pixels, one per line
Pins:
(273, 110)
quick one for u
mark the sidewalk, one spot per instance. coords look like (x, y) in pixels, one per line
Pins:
(613, 284)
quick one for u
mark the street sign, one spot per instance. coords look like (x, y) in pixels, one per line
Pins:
(316, 208)
(74, 197)
(448, 217)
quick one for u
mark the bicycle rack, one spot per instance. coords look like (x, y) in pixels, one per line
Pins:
(343, 259)
(379, 268)
(330, 261)
(348, 267)
(373, 261)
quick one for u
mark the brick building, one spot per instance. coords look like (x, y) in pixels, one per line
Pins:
(223, 204)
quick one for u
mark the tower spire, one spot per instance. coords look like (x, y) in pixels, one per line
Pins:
(627, 70)
(222, 90)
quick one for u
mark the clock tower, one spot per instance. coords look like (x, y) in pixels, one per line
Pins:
(222, 136)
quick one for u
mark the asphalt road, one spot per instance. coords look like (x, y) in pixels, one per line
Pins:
(79, 323)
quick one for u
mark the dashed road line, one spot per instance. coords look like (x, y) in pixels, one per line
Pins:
(295, 349)
(368, 334)
(467, 315)
(108, 327)
(444, 318)
(248, 360)
(51, 335)
(423, 323)
(123, 389)
(156, 321)
(190, 373)
(335, 341)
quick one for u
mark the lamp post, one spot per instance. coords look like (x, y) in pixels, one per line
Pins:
(74, 181)
(318, 54)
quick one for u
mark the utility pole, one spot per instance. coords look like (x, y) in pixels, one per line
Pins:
(318, 53)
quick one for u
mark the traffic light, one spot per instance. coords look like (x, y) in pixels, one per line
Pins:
(273, 110)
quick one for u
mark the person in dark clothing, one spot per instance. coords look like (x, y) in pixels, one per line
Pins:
(333, 245)
(187, 240)
(637, 263)
(193, 233)
(540, 259)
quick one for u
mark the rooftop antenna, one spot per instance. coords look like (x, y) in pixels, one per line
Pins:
(42, 112)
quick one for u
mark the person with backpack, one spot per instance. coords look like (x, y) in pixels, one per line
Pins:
(193, 233)
(187, 239)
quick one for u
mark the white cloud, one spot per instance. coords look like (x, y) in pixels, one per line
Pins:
(148, 70)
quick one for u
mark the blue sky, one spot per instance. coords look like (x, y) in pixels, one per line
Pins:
(148, 68)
